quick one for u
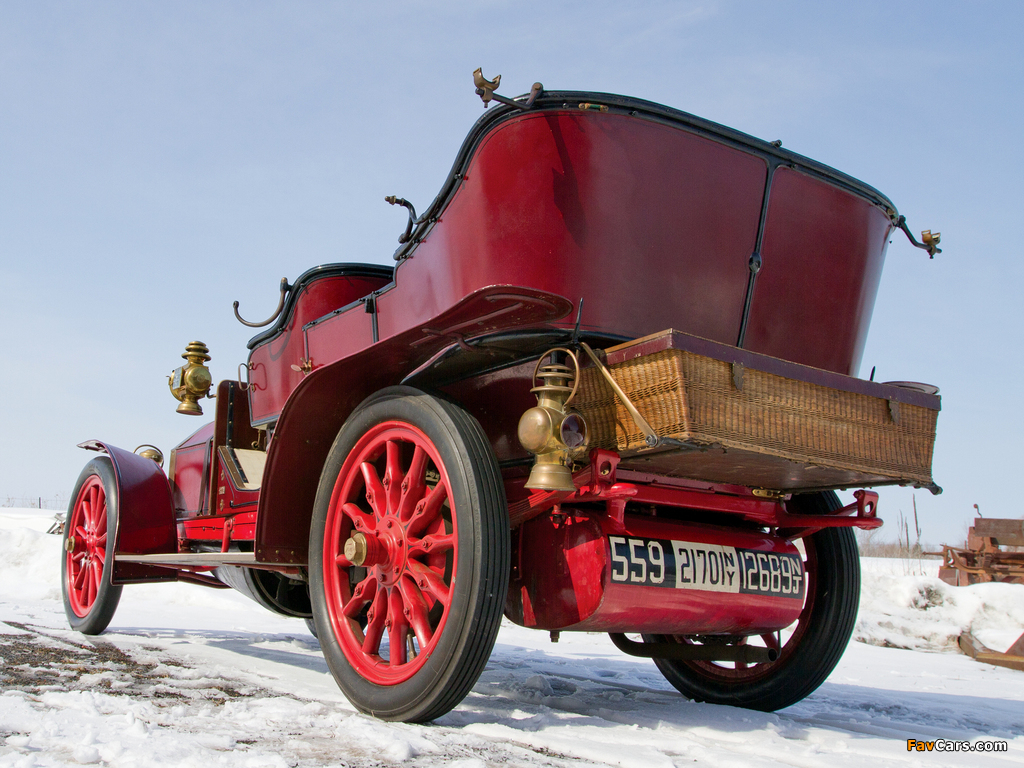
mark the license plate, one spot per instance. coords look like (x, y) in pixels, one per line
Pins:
(706, 567)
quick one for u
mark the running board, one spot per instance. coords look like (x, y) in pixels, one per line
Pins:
(204, 559)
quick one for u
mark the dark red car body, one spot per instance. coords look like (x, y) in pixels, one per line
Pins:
(587, 217)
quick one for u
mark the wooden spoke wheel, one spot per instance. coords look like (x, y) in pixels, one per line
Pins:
(90, 598)
(409, 555)
(808, 650)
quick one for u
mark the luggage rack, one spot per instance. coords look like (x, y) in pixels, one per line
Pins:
(729, 415)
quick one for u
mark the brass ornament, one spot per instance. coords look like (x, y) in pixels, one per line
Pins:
(190, 383)
(356, 549)
(151, 452)
(550, 430)
(366, 551)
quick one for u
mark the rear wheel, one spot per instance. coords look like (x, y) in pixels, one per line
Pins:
(90, 598)
(409, 555)
(808, 650)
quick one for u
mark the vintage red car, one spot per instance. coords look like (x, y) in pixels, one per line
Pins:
(608, 386)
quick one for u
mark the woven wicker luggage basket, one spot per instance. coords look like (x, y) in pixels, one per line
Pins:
(733, 416)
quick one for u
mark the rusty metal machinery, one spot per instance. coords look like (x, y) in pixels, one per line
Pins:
(993, 553)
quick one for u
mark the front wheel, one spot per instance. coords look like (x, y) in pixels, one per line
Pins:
(90, 598)
(808, 650)
(409, 555)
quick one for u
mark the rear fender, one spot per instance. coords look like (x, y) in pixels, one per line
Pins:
(318, 407)
(145, 514)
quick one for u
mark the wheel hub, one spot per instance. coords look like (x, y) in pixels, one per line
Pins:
(363, 550)
(391, 535)
(385, 551)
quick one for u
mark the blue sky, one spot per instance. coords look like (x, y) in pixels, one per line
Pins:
(160, 160)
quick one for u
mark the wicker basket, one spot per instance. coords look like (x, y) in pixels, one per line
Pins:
(707, 403)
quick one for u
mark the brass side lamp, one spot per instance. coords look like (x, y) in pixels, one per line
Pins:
(550, 430)
(190, 383)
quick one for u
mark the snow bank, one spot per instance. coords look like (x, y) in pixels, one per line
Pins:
(29, 557)
(900, 607)
(903, 604)
(194, 678)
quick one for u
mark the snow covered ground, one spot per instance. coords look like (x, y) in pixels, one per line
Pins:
(200, 678)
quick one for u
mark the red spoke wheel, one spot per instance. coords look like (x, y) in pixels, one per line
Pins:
(808, 650)
(409, 555)
(90, 598)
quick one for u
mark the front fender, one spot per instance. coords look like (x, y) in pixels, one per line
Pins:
(145, 514)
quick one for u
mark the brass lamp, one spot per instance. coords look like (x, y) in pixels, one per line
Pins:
(191, 382)
(550, 430)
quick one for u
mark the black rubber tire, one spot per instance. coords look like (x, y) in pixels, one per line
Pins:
(103, 606)
(311, 626)
(805, 665)
(477, 595)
